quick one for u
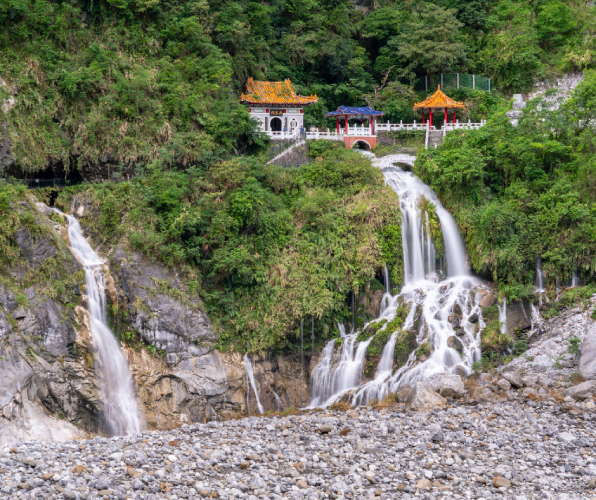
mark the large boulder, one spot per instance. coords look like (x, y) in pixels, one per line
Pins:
(519, 316)
(581, 391)
(447, 385)
(514, 379)
(419, 396)
(587, 359)
(456, 344)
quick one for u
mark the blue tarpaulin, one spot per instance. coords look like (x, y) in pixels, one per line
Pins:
(354, 112)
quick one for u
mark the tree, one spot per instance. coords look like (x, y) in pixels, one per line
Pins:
(430, 41)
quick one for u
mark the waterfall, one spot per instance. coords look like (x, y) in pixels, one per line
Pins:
(539, 276)
(278, 401)
(120, 406)
(574, 280)
(433, 304)
(535, 320)
(386, 276)
(503, 316)
(329, 383)
(251, 378)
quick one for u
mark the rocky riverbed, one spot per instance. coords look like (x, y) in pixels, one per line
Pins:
(505, 449)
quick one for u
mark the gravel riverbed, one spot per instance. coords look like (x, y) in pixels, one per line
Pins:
(517, 450)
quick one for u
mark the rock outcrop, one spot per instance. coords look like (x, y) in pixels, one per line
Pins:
(47, 359)
(587, 359)
(419, 396)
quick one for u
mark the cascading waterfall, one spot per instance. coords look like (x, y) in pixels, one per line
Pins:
(120, 406)
(432, 302)
(574, 280)
(503, 316)
(539, 277)
(251, 378)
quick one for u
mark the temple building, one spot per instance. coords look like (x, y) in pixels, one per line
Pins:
(276, 106)
(439, 103)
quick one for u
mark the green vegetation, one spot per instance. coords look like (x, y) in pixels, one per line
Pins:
(519, 192)
(573, 344)
(56, 277)
(156, 82)
(263, 246)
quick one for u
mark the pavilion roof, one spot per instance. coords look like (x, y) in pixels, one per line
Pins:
(280, 93)
(439, 100)
(353, 112)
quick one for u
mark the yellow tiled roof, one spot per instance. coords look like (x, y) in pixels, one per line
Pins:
(439, 100)
(274, 93)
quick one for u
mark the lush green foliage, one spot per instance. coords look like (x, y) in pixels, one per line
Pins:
(519, 193)
(264, 247)
(156, 81)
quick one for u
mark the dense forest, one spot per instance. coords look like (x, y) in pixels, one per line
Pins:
(157, 81)
(155, 85)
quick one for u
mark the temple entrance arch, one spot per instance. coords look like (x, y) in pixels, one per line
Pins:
(276, 125)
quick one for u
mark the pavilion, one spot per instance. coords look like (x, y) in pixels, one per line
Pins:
(438, 102)
(276, 107)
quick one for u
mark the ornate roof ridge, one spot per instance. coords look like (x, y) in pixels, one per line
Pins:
(439, 100)
(265, 92)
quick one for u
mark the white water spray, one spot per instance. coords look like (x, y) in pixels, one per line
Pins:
(503, 316)
(120, 406)
(251, 378)
(574, 280)
(433, 302)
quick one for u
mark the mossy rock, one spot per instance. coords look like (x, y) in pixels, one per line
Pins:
(404, 345)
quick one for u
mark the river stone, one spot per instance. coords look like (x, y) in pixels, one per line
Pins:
(514, 379)
(504, 384)
(587, 359)
(447, 385)
(581, 391)
(530, 380)
(482, 394)
(418, 396)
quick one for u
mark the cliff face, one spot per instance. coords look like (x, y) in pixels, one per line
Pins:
(50, 386)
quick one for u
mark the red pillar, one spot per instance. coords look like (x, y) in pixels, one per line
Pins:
(338, 124)
(430, 117)
(454, 116)
(422, 116)
(446, 119)
(372, 126)
(346, 124)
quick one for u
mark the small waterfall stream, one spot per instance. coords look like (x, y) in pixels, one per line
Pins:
(455, 345)
(120, 406)
(251, 378)
(503, 316)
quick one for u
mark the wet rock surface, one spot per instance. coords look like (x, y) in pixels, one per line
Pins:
(504, 449)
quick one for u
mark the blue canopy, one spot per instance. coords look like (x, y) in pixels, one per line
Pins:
(354, 112)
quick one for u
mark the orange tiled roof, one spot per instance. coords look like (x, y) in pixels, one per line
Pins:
(274, 93)
(439, 100)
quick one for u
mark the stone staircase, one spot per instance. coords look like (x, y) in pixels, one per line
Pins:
(434, 138)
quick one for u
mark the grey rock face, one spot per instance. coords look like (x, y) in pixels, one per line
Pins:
(516, 109)
(170, 318)
(587, 359)
(35, 249)
(519, 316)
